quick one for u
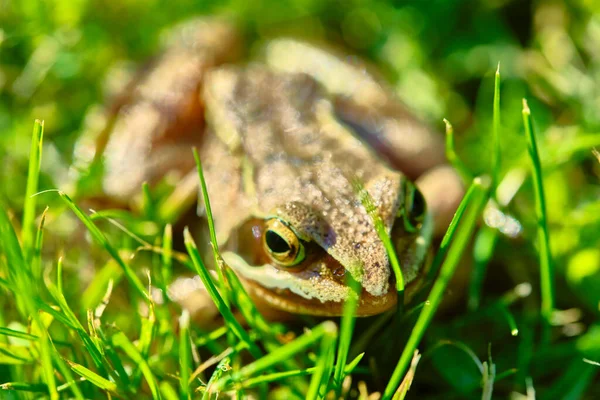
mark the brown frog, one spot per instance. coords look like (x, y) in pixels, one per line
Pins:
(281, 140)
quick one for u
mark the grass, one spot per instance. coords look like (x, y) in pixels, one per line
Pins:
(325, 374)
(474, 200)
(83, 305)
(546, 275)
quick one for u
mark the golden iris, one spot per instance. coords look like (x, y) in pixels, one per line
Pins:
(282, 244)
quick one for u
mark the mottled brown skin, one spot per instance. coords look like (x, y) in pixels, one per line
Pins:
(299, 162)
(282, 139)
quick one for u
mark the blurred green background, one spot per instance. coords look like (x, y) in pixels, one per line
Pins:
(61, 61)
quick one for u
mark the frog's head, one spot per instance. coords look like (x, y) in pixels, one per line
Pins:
(299, 259)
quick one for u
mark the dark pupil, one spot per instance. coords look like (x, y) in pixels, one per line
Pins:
(276, 243)
(417, 207)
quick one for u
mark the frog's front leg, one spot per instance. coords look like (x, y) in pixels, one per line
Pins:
(367, 105)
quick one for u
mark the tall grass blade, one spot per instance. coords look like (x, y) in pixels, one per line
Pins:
(166, 256)
(104, 243)
(452, 157)
(121, 341)
(21, 279)
(93, 377)
(483, 249)
(496, 134)
(36, 257)
(302, 343)
(24, 387)
(211, 226)
(185, 355)
(367, 202)
(33, 174)
(546, 268)
(318, 383)
(473, 201)
(346, 331)
(202, 272)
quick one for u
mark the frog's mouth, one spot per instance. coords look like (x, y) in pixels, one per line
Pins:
(317, 286)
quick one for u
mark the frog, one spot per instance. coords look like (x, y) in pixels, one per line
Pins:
(282, 139)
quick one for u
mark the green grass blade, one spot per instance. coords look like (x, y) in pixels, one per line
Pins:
(24, 387)
(546, 268)
(473, 201)
(450, 232)
(17, 334)
(212, 336)
(211, 223)
(148, 207)
(36, 258)
(230, 320)
(46, 360)
(104, 243)
(222, 367)
(4, 283)
(185, 355)
(318, 383)
(371, 208)
(483, 249)
(167, 391)
(35, 159)
(96, 290)
(11, 354)
(277, 376)
(9, 244)
(167, 256)
(247, 307)
(147, 334)
(211, 226)
(121, 341)
(496, 134)
(93, 378)
(352, 364)
(452, 157)
(346, 331)
(94, 352)
(510, 320)
(21, 279)
(289, 350)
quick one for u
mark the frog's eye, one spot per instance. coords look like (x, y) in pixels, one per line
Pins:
(414, 209)
(282, 244)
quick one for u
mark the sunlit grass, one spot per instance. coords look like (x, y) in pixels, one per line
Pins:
(546, 268)
(473, 202)
(84, 304)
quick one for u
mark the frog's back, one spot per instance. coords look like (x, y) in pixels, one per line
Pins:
(301, 160)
